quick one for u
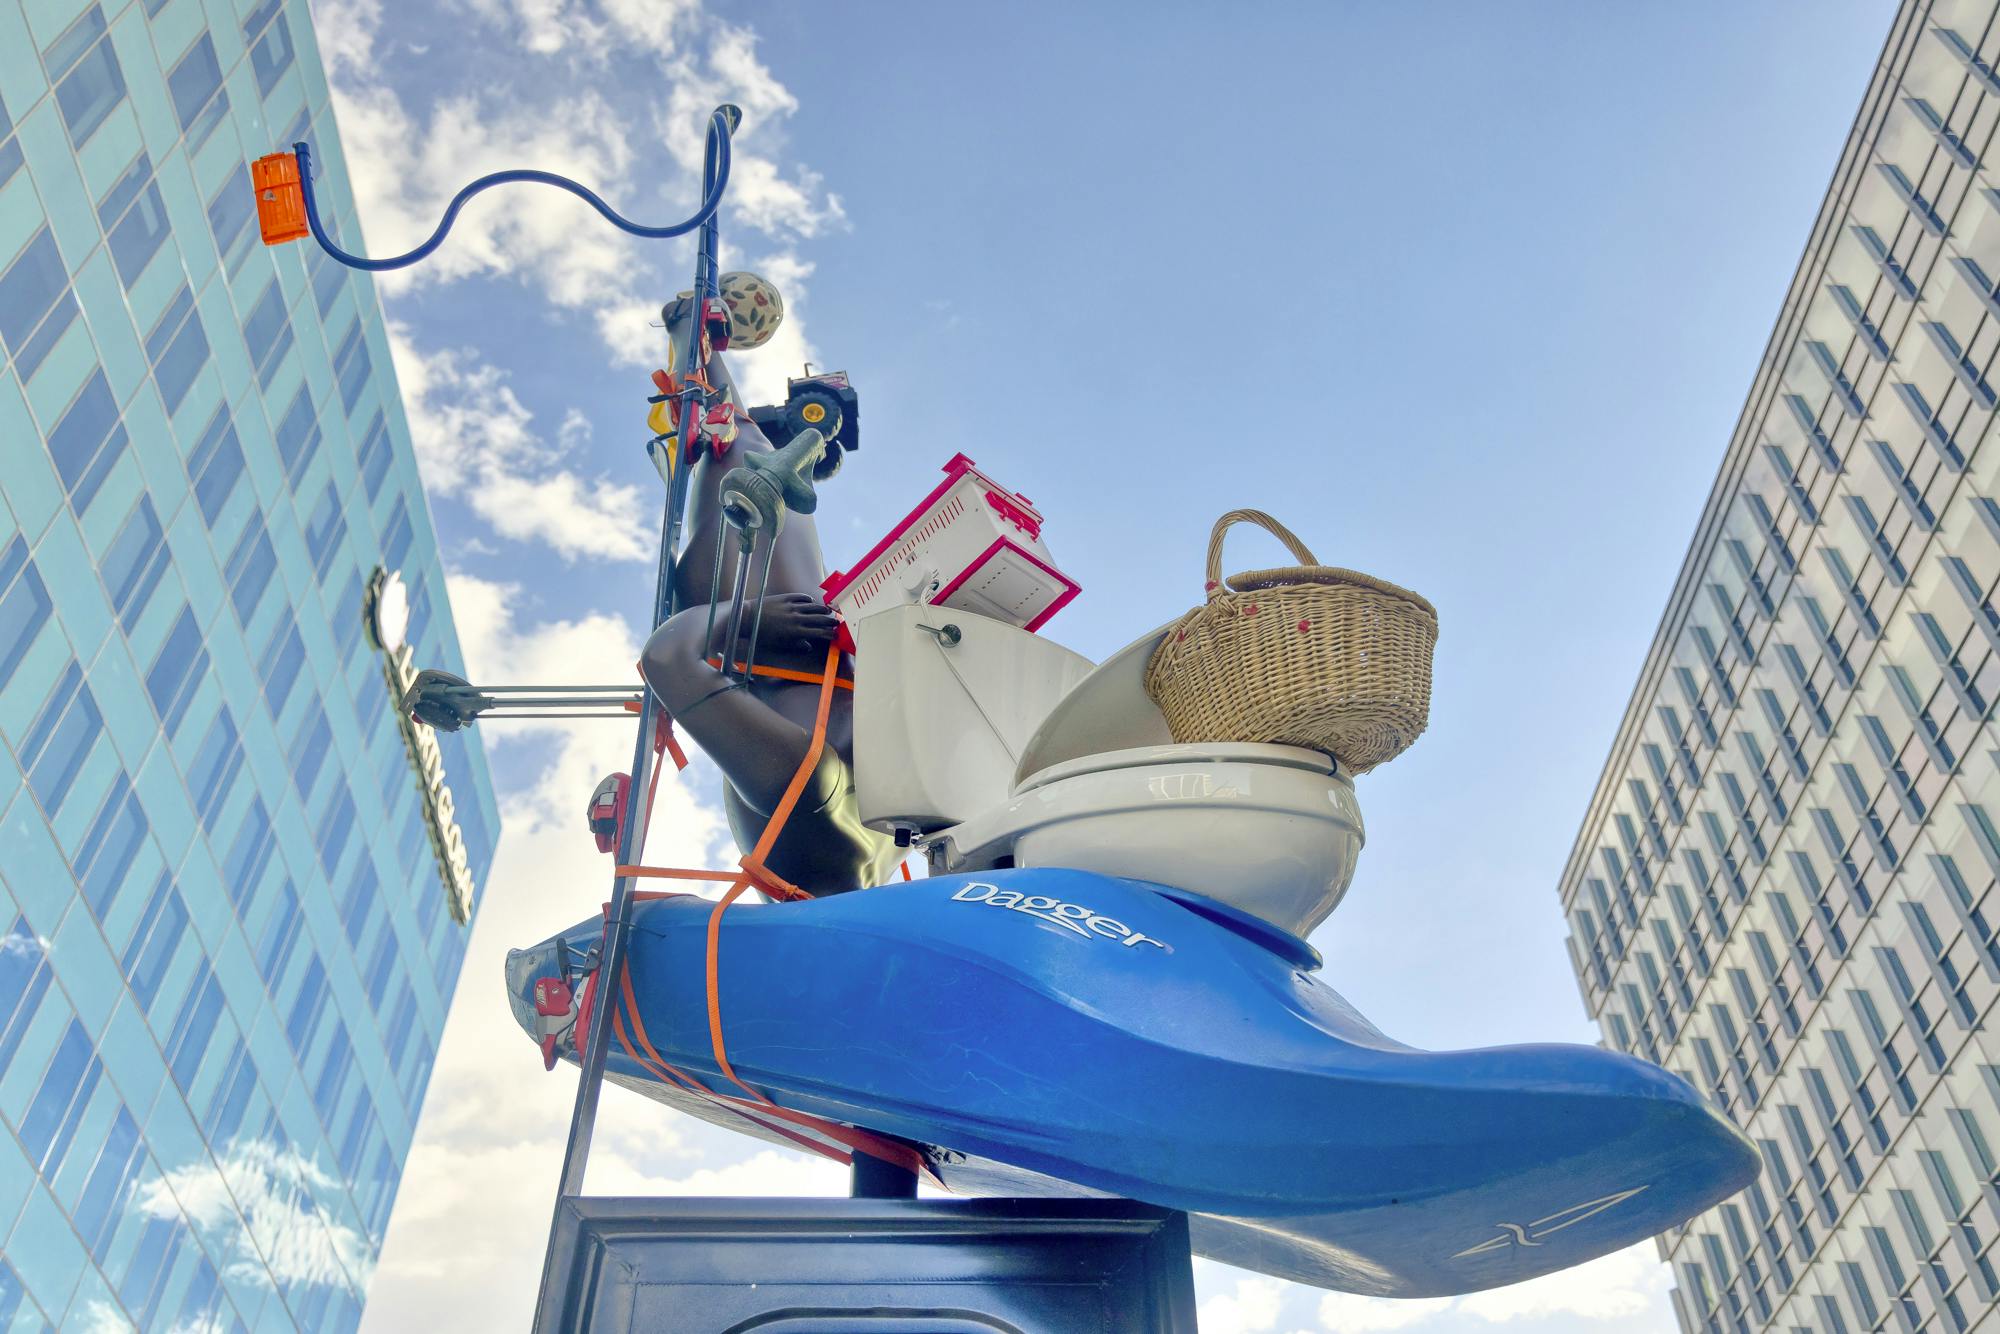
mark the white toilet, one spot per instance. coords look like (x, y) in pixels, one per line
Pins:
(991, 746)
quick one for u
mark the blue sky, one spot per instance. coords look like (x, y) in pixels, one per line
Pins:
(1468, 294)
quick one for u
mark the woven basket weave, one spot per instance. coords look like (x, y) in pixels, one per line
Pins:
(1308, 655)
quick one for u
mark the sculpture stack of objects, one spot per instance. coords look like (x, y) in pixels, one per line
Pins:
(1103, 984)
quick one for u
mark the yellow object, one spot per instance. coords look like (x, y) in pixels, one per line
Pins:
(814, 413)
(661, 418)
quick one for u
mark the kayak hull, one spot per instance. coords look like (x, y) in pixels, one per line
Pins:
(1049, 1031)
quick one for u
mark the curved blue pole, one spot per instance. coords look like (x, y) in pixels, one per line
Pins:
(720, 126)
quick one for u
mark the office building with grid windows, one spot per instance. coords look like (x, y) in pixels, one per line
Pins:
(225, 951)
(1787, 886)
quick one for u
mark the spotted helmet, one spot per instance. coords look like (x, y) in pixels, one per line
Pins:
(755, 309)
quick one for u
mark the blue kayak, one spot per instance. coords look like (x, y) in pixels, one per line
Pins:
(1049, 1031)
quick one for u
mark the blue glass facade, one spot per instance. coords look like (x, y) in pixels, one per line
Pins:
(1787, 888)
(225, 955)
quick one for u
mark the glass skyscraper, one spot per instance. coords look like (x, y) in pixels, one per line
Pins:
(225, 951)
(1786, 885)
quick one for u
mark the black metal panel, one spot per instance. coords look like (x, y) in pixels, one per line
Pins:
(982, 1266)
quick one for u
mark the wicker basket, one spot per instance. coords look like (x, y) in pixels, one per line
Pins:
(1308, 656)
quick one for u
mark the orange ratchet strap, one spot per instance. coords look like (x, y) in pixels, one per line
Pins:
(754, 873)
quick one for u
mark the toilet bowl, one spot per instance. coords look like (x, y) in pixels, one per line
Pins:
(993, 747)
(1271, 830)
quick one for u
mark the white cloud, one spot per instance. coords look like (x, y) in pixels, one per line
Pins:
(345, 30)
(1620, 1286)
(1622, 1293)
(476, 440)
(1251, 1307)
(767, 1172)
(1349, 1314)
(405, 164)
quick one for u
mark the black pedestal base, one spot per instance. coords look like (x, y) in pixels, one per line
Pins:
(980, 1266)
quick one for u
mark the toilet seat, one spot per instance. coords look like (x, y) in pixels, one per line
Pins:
(1223, 752)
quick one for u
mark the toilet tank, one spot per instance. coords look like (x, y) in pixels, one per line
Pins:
(945, 702)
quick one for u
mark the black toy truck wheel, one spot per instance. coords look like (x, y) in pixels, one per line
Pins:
(814, 409)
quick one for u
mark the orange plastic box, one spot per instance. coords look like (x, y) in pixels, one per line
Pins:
(281, 198)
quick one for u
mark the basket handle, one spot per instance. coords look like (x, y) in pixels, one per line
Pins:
(1262, 520)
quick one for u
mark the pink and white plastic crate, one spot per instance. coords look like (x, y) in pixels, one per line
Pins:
(972, 545)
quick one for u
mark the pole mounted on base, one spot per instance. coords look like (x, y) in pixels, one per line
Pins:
(286, 211)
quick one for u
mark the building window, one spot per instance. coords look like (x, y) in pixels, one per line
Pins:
(229, 216)
(1871, 337)
(1877, 250)
(1850, 588)
(1878, 540)
(1967, 585)
(48, 1128)
(271, 51)
(267, 332)
(87, 442)
(329, 275)
(325, 529)
(196, 87)
(1964, 906)
(1808, 419)
(116, 833)
(1739, 556)
(1982, 73)
(335, 829)
(1928, 421)
(134, 219)
(1957, 678)
(35, 303)
(281, 936)
(302, 1023)
(153, 945)
(1960, 360)
(283, 664)
(213, 772)
(83, 67)
(1828, 365)
(1927, 729)
(194, 1024)
(352, 365)
(1767, 523)
(248, 855)
(60, 739)
(178, 670)
(1899, 477)
(1703, 722)
(310, 749)
(1890, 758)
(250, 568)
(215, 464)
(24, 606)
(178, 348)
(134, 562)
(397, 538)
(1918, 207)
(375, 456)
(298, 435)
(24, 979)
